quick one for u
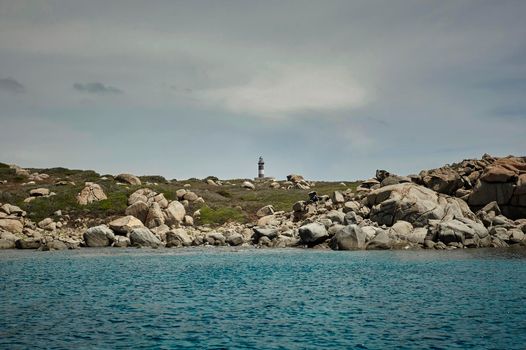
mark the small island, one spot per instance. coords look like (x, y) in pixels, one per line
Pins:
(476, 203)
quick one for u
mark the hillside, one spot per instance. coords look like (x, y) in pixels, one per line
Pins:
(222, 203)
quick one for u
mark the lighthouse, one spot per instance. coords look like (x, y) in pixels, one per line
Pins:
(261, 168)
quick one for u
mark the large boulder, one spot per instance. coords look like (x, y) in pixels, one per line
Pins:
(7, 240)
(295, 178)
(125, 224)
(337, 197)
(7, 244)
(454, 231)
(265, 211)
(402, 230)
(414, 204)
(444, 180)
(12, 210)
(39, 192)
(145, 195)
(190, 196)
(351, 237)
(249, 185)
(178, 238)
(269, 232)
(336, 216)
(235, 239)
(499, 173)
(143, 237)
(54, 244)
(486, 192)
(121, 242)
(139, 210)
(47, 224)
(381, 241)
(99, 236)
(128, 179)
(11, 225)
(155, 216)
(215, 238)
(313, 233)
(91, 193)
(175, 213)
(28, 243)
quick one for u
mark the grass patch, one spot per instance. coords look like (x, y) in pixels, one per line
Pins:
(220, 216)
(116, 204)
(43, 207)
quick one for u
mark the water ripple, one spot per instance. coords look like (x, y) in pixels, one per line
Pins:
(262, 299)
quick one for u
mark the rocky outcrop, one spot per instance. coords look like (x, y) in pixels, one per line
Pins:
(298, 181)
(413, 203)
(154, 210)
(481, 181)
(91, 193)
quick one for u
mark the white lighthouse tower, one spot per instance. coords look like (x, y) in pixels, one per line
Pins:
(261, 168)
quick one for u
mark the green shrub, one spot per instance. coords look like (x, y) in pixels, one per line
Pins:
(224, 193)
(153, 179)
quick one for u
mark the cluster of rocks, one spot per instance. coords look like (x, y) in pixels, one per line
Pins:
(398, 216)
(480, 181)
(129, 231)
(17, 231)
(33, 178)
(297, 181)
(451, 207)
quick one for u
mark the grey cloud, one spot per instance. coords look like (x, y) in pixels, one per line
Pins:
(515, 83)
(11, 85)
(97, 88)
(510, 112)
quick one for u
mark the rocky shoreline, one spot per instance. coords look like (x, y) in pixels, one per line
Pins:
(472, 204)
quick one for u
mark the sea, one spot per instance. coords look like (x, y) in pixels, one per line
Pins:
(226, 298)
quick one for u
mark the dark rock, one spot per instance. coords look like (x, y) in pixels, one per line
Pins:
(312, 234)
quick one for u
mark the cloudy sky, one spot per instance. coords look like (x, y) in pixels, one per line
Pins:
(327, 89)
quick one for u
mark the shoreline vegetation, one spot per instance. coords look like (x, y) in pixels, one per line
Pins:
(471, 204)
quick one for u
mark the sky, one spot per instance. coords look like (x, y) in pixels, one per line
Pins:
(332, 90)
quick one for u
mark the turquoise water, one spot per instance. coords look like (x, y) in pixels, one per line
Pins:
(263, 299)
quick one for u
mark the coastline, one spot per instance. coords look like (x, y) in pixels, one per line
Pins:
(471, 204)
